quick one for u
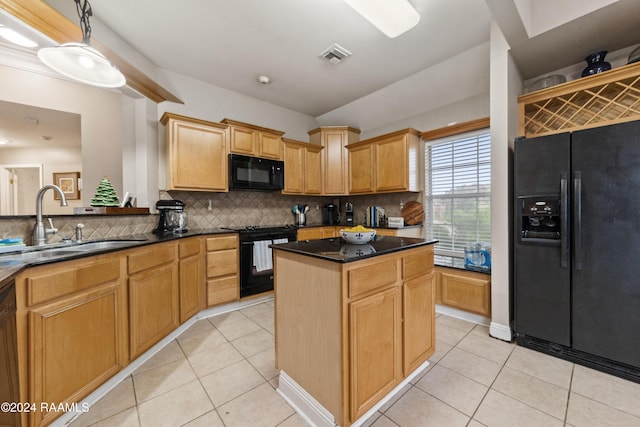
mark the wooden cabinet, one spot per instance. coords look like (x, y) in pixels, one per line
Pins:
(388, 163)
(252, 140)
(196, 154)
(418, 302)
(377, 320)
(328, 231)
(375, 345)
(75, 317)
(416, 232)
(223, 281)
(302, 172)
(153, 295)
(463, 289)
(192, 277)
(361, 169)
(314, 233)
(9, 386)
(334, 156)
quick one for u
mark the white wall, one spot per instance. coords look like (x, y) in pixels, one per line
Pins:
(468, 109)
(213, 103)
(506, 84)
(52, 159)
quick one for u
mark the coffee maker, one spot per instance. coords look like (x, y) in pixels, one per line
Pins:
(166, 208)
(330, 214)
(348, 213)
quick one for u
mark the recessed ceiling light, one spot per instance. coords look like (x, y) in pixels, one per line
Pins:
(264, 80)
(4, 141)
(16, 38)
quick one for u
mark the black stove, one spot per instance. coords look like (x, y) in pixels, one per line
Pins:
(256, 267)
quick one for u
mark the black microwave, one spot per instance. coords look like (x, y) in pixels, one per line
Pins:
(254, 173)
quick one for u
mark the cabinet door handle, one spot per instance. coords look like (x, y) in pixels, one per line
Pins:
(564, 221)
(577, 218)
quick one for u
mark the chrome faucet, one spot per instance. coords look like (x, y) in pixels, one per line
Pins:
(39, 232)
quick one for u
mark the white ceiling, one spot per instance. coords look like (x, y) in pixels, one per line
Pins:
(230, 43)
(444, 59)
(29, 126)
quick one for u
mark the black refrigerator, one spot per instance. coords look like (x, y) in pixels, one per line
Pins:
(577, 247)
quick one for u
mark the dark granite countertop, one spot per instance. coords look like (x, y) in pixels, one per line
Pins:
(12, 263)
(337, 250)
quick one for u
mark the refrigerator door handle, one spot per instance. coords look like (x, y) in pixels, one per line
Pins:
(577, 216)
(564, 221)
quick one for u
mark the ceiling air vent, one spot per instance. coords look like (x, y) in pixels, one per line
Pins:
(335, 54)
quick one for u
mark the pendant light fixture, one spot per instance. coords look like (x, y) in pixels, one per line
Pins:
(80, 61)
(392, 17)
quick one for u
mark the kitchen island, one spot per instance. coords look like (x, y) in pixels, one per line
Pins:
(354, 323)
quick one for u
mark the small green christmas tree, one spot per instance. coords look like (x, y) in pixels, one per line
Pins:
(105, 194)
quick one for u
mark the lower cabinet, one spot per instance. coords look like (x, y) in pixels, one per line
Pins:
(463, 289)
(223, 281)
(418, 300)
(153, 295)
(80, 322)
(75, 317)
(314, 233)
(192, 283)
(349, 333)
(375, 343)
(328, 231)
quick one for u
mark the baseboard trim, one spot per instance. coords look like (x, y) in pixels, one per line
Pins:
(463, 315)
(304, 404)
(502, 332)
(317, 415)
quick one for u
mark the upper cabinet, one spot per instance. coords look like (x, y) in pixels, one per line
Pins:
(302, 172)
(387, 163)
(196, 154)
(251, 140)
(334, 156)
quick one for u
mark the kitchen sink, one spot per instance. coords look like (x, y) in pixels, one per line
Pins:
(94, 246)
(39, 254)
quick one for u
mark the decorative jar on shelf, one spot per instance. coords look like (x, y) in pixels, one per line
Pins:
(597, 64)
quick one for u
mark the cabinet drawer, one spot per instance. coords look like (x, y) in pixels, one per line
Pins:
(189, 247)
(365, 279)
(229, 241)
(71, 278)
(467, 293)
(222, 290)
(151, 256)
(221, 263)
(417, 264)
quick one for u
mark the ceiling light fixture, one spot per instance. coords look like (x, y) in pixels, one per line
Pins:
(15, 37)
(265, 80)
(80, 61)
(392, 17)
(4, 141)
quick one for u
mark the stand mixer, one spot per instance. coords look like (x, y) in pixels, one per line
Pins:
(172, 219)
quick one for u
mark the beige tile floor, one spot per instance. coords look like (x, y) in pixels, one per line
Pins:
(220, 372)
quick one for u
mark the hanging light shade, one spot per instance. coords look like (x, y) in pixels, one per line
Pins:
(80, 61)
(392, 17)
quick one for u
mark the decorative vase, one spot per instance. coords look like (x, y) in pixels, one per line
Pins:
(596, 64)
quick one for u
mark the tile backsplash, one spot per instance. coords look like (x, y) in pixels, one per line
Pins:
(209, 210)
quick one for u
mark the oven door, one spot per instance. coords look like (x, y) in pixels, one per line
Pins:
(256, 261)
(253, 173)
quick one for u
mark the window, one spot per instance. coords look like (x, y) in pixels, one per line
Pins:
(458, 191)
